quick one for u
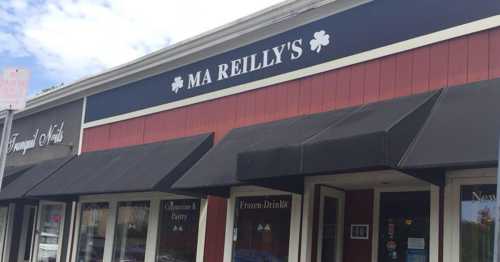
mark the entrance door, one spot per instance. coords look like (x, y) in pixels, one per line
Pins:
(404, 227)
(49, 232)
(27, 234)
(330, 225)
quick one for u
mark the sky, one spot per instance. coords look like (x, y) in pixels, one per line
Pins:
(61, 41)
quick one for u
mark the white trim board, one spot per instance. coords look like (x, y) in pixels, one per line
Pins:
(439, 36)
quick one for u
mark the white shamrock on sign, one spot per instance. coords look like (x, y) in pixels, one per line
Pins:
(177, 84)
(321, 38)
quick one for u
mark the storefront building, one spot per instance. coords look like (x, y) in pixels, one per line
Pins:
(337, 130)
(42, 140)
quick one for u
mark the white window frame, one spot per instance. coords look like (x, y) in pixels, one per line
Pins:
(37, 229)
(454, 181)
(154, 199)
(249, 191)
(325, 191)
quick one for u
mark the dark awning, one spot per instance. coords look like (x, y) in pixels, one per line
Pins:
(148, 167)
(13, 172)
(217, 169)
(29, 177)
(462, 130)
(374, 136)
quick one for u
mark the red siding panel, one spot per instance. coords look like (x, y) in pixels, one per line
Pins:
(356, 250)
(372, 82)
(421, 70)
(494, 58)
(260, 106)
(457, 68)
(438, 72)
(96, 138)
(357, 85)
(317, 92)
(281, 101)
(330, 90)
(387, 77)
(343, 87)
(126, 133)
(478, 63)
(305, 97)
(215, 228)
(404, 64)
(293, 93)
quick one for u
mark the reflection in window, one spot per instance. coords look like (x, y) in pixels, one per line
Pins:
(262, 229)
(131, 231)
(92, 235)
(477, 230)
(178, 230)
(51, 217)
(3, 228)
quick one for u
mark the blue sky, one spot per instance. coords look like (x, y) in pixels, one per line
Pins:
(61, 41)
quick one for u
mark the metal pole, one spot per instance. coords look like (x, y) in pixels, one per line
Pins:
(496, 257)
(7, 126)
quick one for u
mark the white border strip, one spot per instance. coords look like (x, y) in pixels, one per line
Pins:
(413, 43)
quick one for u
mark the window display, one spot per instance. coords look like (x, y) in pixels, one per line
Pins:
(93, 220)
(477, 227)
(51, 218)
(178, 232)
(131, 231)
(262, 229)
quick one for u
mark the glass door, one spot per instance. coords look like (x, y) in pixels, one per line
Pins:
(49, 232)
(404, 227)
(330, 225)
(27, 234)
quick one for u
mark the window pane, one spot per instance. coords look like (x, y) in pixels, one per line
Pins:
(51, 217)
(477, 230)
(94, 217)
(178, 230)
(262, 229)
(3, 228)
(329, 236)
(131, 231)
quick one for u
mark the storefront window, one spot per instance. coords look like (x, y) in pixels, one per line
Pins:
(131, 231)
(178, 230)
(92, 235)
(262, 229)
(477, 231)
(51, 218)
(3, 228)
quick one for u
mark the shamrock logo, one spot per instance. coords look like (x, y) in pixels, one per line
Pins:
(321, 38)
(177, 84)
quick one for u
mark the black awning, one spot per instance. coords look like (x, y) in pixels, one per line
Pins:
(13, 172)
(148, 167)
(373, 136)
(462, 130)
(28, 177)
(217, 169)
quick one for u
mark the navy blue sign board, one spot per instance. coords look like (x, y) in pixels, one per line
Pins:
(366, 27)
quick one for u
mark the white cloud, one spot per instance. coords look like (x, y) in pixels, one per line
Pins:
(74, 38)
